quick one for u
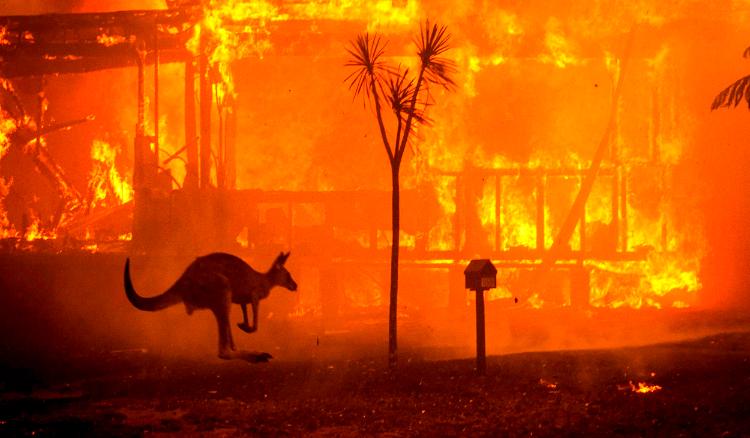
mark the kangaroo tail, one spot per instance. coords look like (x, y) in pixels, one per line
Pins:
(151, 304)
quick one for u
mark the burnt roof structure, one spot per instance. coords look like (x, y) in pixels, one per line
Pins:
(32, 45)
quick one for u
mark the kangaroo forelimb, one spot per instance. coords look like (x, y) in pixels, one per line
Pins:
(244, 325)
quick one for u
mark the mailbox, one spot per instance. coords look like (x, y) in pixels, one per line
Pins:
(480, 274)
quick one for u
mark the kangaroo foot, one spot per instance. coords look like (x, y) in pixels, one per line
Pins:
(254, 357)
(250, 356)
(246, 328)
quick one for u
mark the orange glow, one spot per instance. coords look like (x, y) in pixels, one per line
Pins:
(644, 388)
(547, 384)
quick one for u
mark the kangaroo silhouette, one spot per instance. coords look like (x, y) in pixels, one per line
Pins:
(214, 282)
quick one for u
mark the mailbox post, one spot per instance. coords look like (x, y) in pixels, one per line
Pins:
(480, 275)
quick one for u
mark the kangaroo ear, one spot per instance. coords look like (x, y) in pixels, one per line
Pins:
(281, 259)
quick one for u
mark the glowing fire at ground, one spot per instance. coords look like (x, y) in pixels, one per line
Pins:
(4, 36)
(547, 384)
(110, 40)
(644, 388)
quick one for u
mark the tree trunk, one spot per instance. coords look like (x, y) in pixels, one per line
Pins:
(393, 308)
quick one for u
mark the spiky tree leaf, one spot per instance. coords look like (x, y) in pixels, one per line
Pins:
(433, 42)
(401, 90)
(733, 94)
(366, 52)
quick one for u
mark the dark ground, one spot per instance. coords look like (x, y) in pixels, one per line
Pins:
(706, 392)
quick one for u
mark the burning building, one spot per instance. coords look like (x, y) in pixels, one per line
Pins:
(577, 147)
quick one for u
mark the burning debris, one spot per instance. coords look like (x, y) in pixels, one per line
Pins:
(644, 388)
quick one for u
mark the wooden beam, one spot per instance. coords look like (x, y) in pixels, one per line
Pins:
(191, 134)
(206, 97)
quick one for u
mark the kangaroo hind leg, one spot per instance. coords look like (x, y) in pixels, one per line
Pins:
(226, 343)
(221, 308)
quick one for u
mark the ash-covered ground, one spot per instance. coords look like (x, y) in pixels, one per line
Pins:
(705, 391)
(77, 359)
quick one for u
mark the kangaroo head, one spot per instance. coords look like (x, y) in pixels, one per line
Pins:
(280, 276)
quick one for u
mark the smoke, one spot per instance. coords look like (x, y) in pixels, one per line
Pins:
(33, 7)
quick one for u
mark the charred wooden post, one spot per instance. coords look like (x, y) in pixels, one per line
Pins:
(206, 97)
(191, 135)
(582, 234)
(141, 180)
(616, 205)
(156, 98)
(498, 212)
(624, 209)
(230, 166)
(220, 140)
(458, 218)
(580, 287)
(139, 154)
(481, 353)
(540, 213)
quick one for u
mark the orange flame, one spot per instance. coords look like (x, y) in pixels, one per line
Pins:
(381, 15)
(105, 178)
(36, 232)
(560, 49)
(107, 40)
(7, 127)
(234, 29)
(4, 41)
